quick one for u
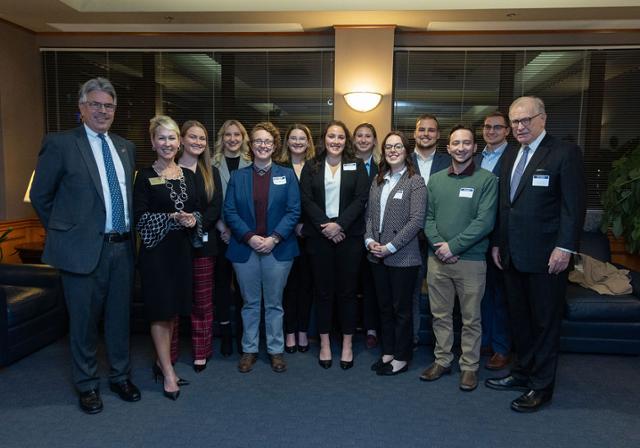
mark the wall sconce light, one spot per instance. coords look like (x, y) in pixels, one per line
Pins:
(362, 101)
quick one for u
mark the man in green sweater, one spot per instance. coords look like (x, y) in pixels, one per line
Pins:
(460, 216)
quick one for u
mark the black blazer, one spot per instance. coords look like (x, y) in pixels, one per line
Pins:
(210, 213)
(540, 217)
(354, 192)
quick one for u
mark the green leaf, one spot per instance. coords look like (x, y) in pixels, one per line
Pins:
(617, 227)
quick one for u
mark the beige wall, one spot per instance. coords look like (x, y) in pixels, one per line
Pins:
(364, 62)
(21, 117)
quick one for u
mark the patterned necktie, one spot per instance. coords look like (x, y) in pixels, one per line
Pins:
(117, 204)
(517, 175)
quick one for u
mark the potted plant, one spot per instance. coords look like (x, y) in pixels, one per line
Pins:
(621, 200)
(3, 237)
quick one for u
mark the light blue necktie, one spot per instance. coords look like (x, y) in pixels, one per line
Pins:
(117, 204)
(517, 175)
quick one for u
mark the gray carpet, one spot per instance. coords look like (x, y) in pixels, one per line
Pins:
(596, 404)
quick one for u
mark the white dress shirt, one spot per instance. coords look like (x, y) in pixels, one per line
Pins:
(332, 191)
(96, 149)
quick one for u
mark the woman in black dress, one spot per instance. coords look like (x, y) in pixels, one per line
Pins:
(298, 294)
(166, 204)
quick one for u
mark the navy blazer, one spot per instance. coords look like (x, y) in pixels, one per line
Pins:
(283, 212)
(354, 193)
(68, 198)
(441, 161)
(541, 217)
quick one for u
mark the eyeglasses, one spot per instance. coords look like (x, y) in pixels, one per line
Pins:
(266, 143)
(526, 121)
(496, 127)
(96, 106)
(397, 147)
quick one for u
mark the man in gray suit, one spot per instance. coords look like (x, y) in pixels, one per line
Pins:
(82, 193)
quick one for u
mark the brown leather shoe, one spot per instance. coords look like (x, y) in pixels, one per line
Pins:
(434, 371)
(246, 362)
(486, 350)
(498, 362)
(468, 380)
(278, 363)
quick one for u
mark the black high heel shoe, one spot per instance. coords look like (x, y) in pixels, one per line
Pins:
(324, 363)
(171, 395)
(157, 373)
(199, 367)
(303, 348)
(346, 365)
(290, 349)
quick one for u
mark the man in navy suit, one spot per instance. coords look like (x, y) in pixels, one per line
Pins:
(428, 161)
(495, 322)
(541, 213)
(82, 193)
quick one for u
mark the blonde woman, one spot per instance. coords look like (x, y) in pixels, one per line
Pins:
(194, 155)
(231, 153)
(166, 203)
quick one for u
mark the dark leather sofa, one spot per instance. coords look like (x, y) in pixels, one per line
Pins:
(32, 310)
(595, 323)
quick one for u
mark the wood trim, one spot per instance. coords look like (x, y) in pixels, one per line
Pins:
(620, 255)
(27, 230)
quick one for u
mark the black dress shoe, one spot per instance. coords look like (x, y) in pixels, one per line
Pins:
(126, 390)
(290, 349)
(379, 364)
(387, 370)
(197, 368)
(346, 365)
(324, 363)
(508, 382)
(532, 401)
(90, 401)
(303, 348)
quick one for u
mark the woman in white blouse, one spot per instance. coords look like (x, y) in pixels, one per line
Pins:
(333, 189)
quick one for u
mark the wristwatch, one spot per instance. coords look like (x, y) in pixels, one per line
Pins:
(276, 238)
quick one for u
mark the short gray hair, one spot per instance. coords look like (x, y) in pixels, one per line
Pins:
(537, 102)
(97, 84)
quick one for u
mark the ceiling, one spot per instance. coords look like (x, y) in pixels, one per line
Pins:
(309, 16)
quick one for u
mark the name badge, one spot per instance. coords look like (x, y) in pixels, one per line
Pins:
(398, 194)
(349, 167)
(156, 180)
(466, 192)
(279, 180)
(540, 180)
(205, 237)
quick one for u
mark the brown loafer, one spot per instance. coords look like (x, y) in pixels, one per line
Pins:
(434, 371)
(468, 380)
(498, 362)
(247, 360)
(278, 363)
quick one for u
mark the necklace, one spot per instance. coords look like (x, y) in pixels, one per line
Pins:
(177, 198)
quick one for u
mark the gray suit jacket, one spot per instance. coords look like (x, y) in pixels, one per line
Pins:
(67, 196)
(225, 175)
(403, 219)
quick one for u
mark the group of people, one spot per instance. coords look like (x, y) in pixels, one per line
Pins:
(291, 225)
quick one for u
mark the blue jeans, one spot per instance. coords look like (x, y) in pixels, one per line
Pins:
(262, 276)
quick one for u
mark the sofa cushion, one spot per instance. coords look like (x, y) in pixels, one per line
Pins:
(589, 306)
(25, 303)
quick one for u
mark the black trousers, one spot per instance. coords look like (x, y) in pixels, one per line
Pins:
(335, 274)
(104, 292)
(370, 313)
(298, 293)
(394, 289)
(224, 295)
(536, 302)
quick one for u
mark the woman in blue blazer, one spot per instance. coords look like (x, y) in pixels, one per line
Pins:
(261, 208)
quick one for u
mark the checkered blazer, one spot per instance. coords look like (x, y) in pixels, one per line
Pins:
(403, 219)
